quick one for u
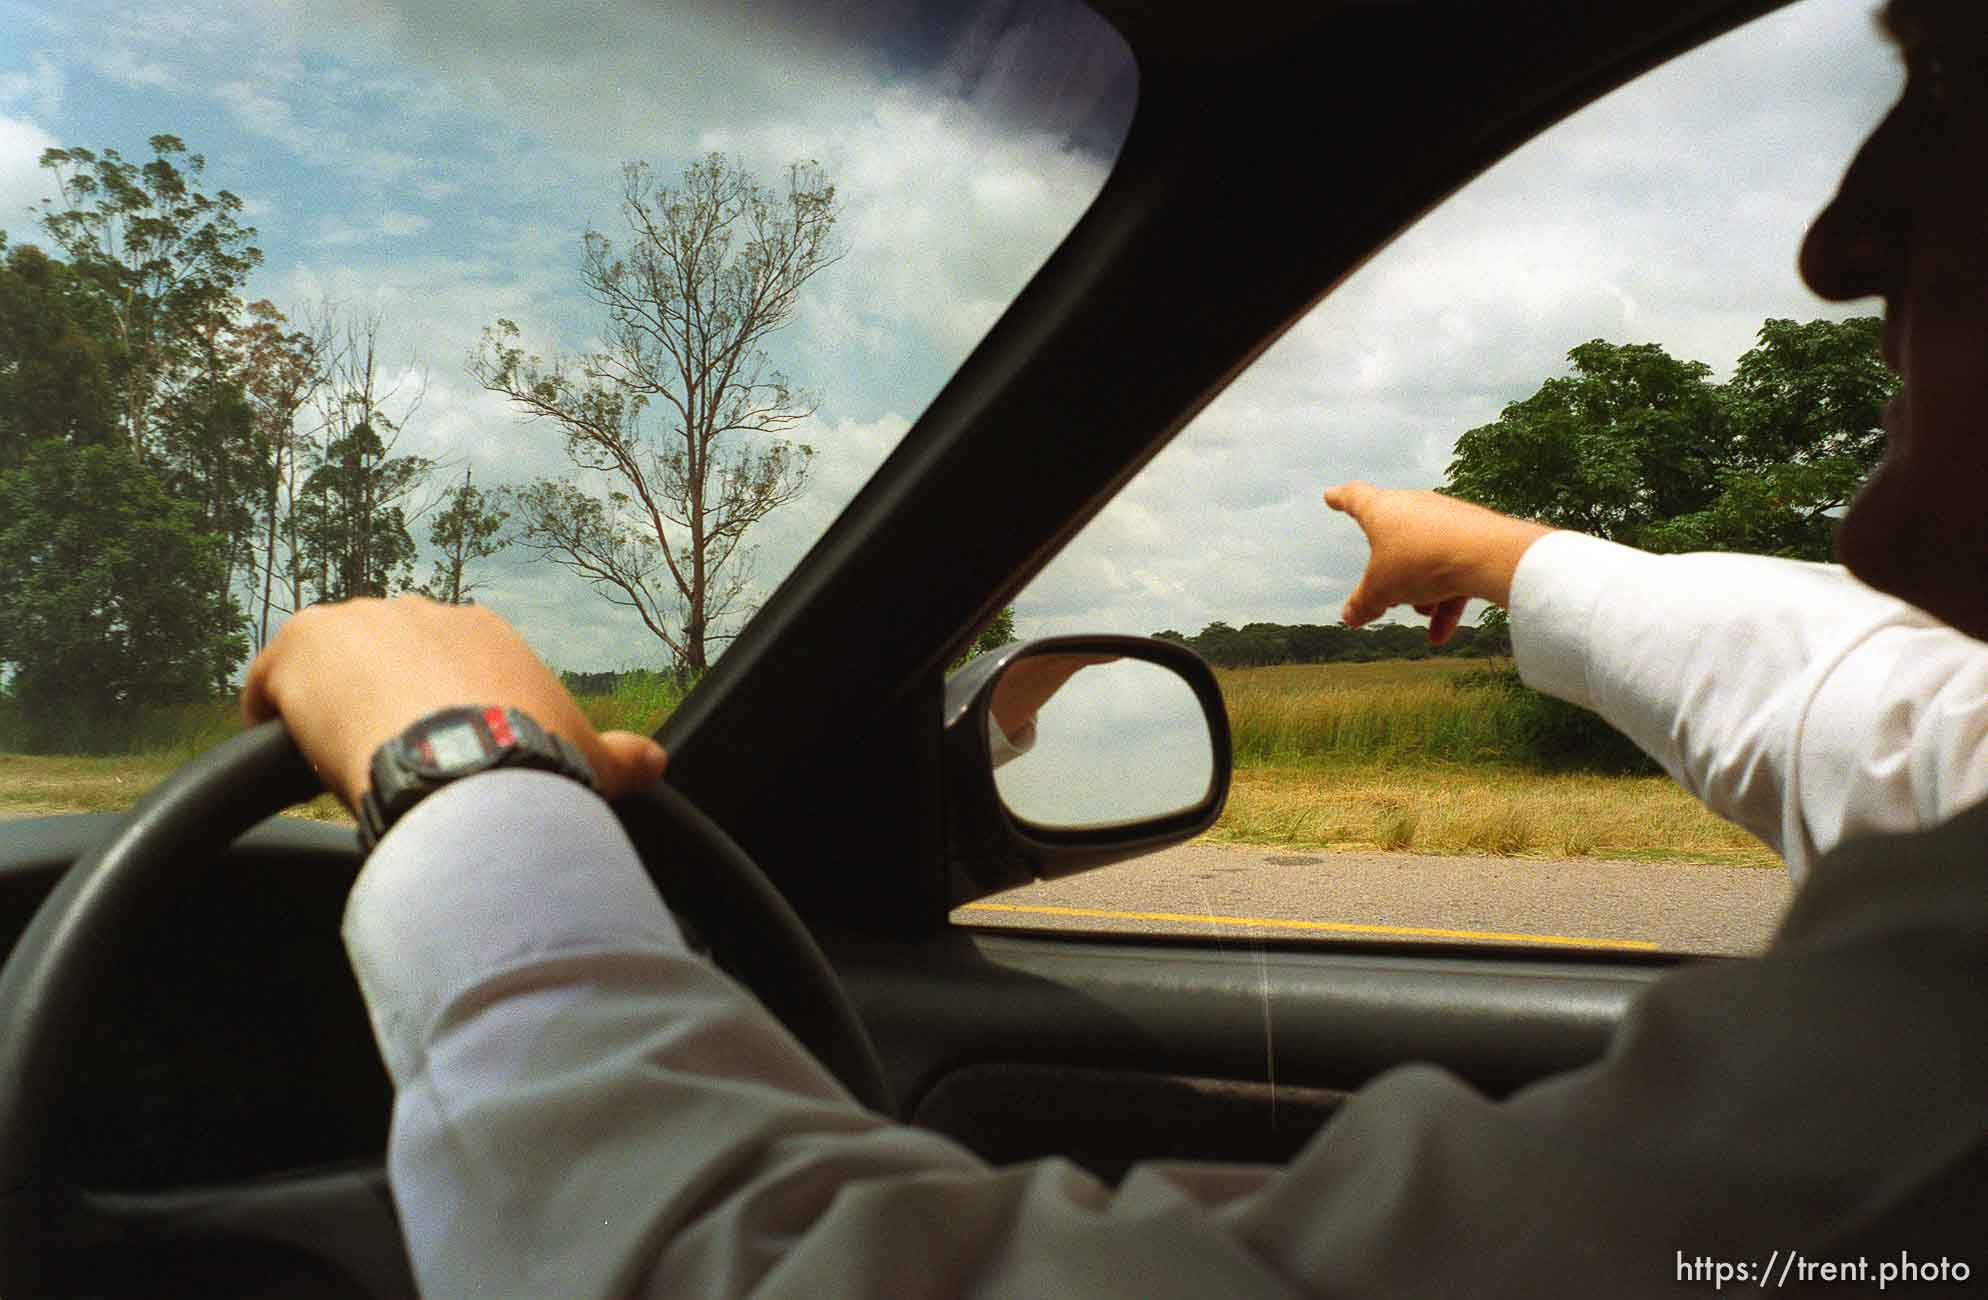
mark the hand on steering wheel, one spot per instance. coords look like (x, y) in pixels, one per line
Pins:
(347, 678)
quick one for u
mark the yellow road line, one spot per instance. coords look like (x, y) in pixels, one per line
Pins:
(1329, 927)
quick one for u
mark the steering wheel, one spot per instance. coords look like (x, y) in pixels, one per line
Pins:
(86, 925)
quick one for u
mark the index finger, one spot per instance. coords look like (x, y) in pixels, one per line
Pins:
(1443, 619)
(257, 706)
(1346, 497)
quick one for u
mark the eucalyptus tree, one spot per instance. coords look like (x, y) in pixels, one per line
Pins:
(469, 526)
(358, 498)
(112, 588)
(166, 260)
(54, 356)
(283, 369)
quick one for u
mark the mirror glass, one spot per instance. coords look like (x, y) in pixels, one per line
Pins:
(1097, 740)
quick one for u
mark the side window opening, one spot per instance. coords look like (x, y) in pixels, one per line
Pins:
(1389, 791)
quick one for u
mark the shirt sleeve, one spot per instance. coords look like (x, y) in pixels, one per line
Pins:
(1788, 697)
(585, 1109)
(1003, 748)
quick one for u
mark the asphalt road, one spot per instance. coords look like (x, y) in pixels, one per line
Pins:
(1249, 891)
(1252, 891)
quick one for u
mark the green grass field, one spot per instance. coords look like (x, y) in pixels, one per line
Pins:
(1406, 712)
(1386, 756)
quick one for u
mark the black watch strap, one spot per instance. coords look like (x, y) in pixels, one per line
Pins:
(450, 744)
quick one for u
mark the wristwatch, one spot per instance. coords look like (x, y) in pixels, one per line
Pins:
(450, 744)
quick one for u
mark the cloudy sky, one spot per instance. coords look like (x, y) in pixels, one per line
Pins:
(437, 164)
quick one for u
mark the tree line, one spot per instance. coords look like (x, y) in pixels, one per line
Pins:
(1266, 645)
(181, 467)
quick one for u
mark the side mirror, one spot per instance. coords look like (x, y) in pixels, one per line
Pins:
(1071, 752)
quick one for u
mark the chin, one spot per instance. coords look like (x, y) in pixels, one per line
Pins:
(1921, 544)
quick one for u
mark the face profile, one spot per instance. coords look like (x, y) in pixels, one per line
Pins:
(1907, 225)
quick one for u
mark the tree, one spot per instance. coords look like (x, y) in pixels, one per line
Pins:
(999, 631)
(1630, 439)
(1641, 448)
(112, 591)
(108, 594)
(282, 371)
(468, 528)
(206, 454)
(164, 259)
(165, 262)
(1259, 645)
(54, 380)
(353, 510)
(139, 399)
(1638, 447)
(679, 408)
(1805, 415)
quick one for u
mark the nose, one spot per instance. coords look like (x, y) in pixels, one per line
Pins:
(1855, 246)
(1846, 254)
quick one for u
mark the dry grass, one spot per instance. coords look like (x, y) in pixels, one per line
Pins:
(1479, 810)
(1311, 679)
(1391, 756)
(45, 785)
(36, 786)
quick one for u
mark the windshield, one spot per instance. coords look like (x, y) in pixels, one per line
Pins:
(595, 320)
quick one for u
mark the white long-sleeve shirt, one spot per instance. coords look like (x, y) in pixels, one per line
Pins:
(583, 1108)
(1788, 697)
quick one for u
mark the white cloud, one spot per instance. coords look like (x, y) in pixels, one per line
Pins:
(847, 453)
(945, 213)
(153, 46)
(336, 232)
(261, 110)
(40, 87)
(394, 223)
(268, 115)
(948, 217)
(128, 67)
(23, 183)
(340, 232)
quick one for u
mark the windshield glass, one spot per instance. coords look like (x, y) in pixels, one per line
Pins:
(595, 318)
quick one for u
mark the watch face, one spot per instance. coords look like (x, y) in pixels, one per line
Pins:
(454, 746)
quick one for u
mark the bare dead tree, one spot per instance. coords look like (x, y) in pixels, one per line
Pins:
(680, 407)
(283, 370)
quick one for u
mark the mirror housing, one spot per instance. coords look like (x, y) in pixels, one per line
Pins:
(990, 847)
